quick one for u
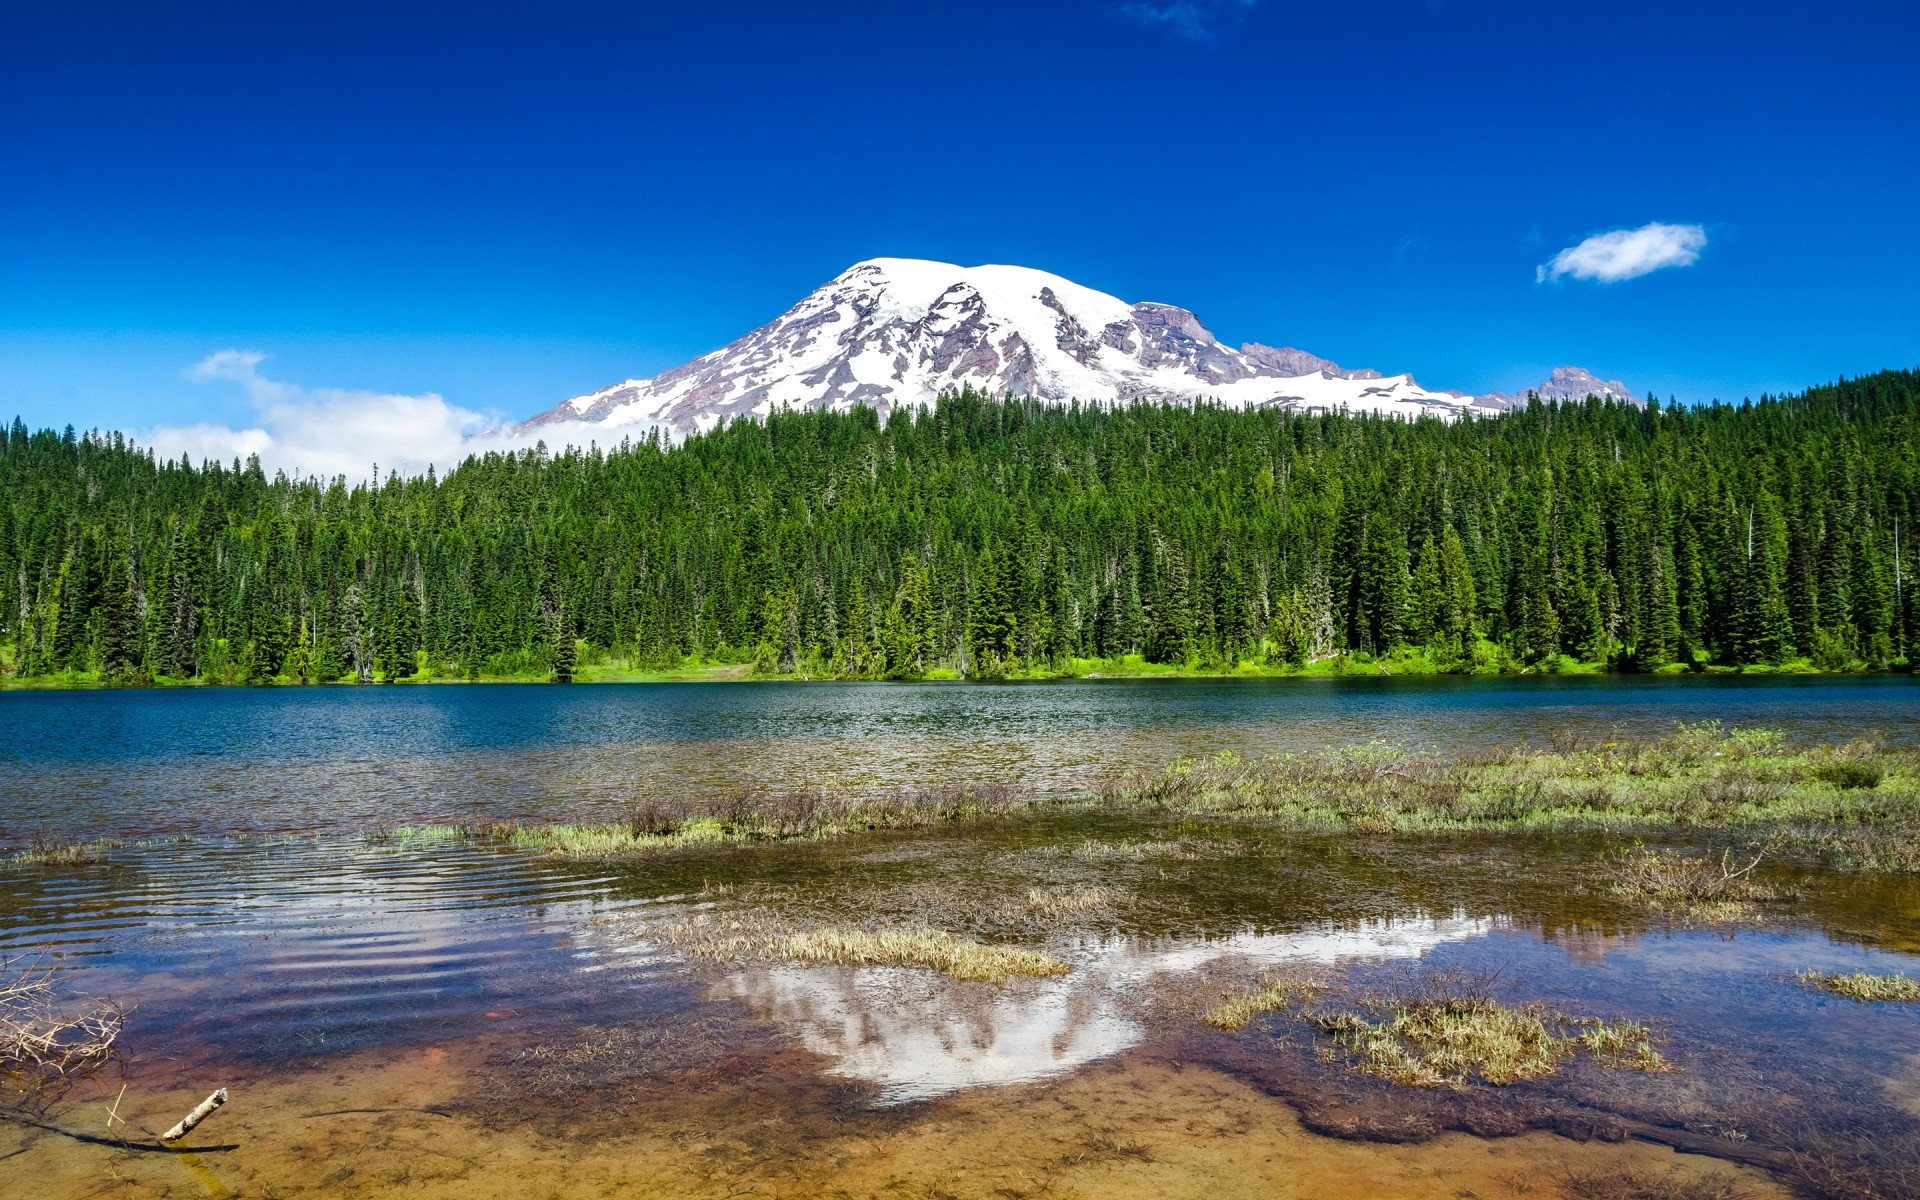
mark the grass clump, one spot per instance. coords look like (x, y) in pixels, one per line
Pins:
(1234, 1014)
(1861, 986)
(417, 837)
(1056, 904)
(1698, 886)
(760, 936)
(654, 825)
(1856, 806)
(962, 958)
(43, 853)
(1448, 1035)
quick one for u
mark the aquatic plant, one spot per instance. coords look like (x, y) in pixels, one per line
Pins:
(1060, 903)
(1861, 986)
(1449, 1033)
(65, 854)
(1695, 885)
(962, 958)
(1702, 776)
(415, 837)
(1234, 1014)
(760, 935)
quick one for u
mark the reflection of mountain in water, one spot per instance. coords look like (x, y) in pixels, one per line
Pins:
(918, 1036)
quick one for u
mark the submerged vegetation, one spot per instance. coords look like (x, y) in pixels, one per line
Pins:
(1445, 1031)
(991, 538)
(1694, 885)
(760, 936)
(1233, 1014)
(1747, 784)
(43, 853)
(1702, 777)
(1861, 986)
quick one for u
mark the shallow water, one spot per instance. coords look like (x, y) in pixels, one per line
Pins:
(136, 763)
(471, 1020)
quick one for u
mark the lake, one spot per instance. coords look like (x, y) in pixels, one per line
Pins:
(436, 1016)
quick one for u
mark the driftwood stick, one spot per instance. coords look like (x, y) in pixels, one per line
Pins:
(193, 1118)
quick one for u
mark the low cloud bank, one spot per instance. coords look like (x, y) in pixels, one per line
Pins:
(325, 432)
(1626, 253)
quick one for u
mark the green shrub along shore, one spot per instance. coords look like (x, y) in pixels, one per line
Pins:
(987, 538)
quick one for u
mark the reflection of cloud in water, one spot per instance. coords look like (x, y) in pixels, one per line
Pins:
(916, 1038)
(919, 1036)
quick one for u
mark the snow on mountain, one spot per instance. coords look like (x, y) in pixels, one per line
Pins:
(893, 332)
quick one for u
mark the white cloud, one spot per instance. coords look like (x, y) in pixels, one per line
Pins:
(1195, 20)
(333, 431)
(1626, 253)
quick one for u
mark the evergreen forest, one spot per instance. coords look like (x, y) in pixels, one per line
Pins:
(988, 538)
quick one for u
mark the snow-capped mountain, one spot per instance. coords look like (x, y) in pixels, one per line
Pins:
(890, 332)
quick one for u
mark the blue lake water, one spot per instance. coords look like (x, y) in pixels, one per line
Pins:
(133, 763)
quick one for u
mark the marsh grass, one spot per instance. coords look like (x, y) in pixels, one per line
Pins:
(655, 825)
(417, 837)
(1235, 1013)
(1059, 904)
(761, 936)
(1853, 806)
(65, 854)
(1451, 1033)
(1698, 886)
(1856, 806)
(1861, 986)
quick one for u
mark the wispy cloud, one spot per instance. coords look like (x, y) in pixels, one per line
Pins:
(1195, 20)
(334, 431)
(1626, 253)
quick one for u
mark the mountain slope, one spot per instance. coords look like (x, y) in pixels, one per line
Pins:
(890, 332)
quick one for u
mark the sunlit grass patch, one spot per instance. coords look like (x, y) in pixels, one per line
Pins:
(1235, 1013)
(415, 837)
(751, 935)
(962, 958)
(1444, 1035)
(1861, 986)
(615, 841)
(1060, 903)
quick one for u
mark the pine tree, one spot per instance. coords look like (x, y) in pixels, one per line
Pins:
(178, 656)
(992, 629)
(121, 651)
(1462, 599)
(357, 635)
(1429, 607)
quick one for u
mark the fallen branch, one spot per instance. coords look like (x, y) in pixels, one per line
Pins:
(200, 1113)
(44, 1048)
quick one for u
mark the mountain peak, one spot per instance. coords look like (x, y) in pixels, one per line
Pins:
(893, 332)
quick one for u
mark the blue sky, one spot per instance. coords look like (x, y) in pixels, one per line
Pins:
(507, 206)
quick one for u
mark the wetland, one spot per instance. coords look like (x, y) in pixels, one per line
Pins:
(1585, 937)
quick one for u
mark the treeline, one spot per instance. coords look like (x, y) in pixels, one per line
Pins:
(992, 537)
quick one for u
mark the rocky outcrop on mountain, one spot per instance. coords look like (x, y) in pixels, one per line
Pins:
(1570, 383)
(1285, 360)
